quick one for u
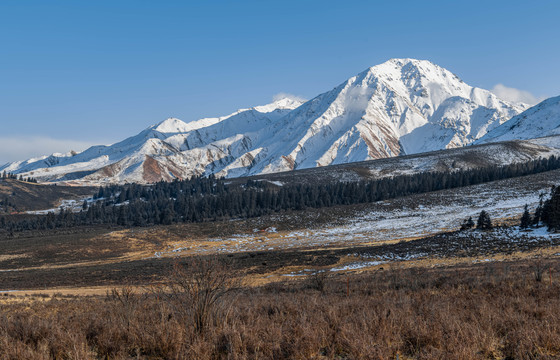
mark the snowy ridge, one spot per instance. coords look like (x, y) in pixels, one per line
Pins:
(160, 152)
(541, 120)
(403, 106)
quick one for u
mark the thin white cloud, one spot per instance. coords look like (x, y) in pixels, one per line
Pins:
(515, 95)
(283, 95)
(16, 148)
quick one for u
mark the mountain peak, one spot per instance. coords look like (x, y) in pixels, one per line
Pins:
(283, 102)
(399, 66)
(404, 61)
(171, 125)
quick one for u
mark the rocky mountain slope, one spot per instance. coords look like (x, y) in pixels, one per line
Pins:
(403, 106)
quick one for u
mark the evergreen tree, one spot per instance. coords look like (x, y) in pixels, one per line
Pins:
(551, 210)
(484, 222)
(537, 218)
(525, 218)
(467, 224)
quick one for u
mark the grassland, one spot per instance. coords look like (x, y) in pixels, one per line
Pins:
(481, 311)
(370, 281)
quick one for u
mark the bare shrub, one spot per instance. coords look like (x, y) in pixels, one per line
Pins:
(318, 280)
(127, 302)
(539, 269)
(197, 290)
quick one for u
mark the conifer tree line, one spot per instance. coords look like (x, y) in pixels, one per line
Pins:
(209, 199)
(7, 175)
(547, 212)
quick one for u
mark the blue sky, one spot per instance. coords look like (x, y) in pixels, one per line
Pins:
(74, 73)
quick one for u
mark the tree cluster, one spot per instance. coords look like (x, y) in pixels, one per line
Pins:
(7, 175)
(6, 205)
(482, 223)
(209, 198)
(549, 211)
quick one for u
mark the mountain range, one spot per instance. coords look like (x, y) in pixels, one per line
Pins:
(400, 107)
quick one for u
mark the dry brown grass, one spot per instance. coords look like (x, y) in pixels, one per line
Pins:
(490, 311)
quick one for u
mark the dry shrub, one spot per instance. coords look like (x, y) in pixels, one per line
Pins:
(197, 289)
(539, 269)
(126, 303)
(489, 311)
(318, 280)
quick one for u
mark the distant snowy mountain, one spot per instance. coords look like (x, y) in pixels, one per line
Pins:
(402, 106)
(160, 152)
(541, 120)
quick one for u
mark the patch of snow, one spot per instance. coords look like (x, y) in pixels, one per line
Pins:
(359, 265)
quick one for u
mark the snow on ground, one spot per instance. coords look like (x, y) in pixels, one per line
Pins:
(74, 205)
(388, 221)
(453, 242)
(277, 183)
(358, 265)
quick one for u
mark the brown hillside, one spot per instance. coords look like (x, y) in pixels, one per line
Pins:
(26, 196)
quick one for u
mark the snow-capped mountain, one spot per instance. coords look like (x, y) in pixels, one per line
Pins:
(541, 120)
(157, 153)
(402, 106)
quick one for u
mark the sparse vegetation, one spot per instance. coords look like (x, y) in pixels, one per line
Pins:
(318, 280)
(480, 312)
(6, 175)
(196, 290)
(539, 269)
(19, 196)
